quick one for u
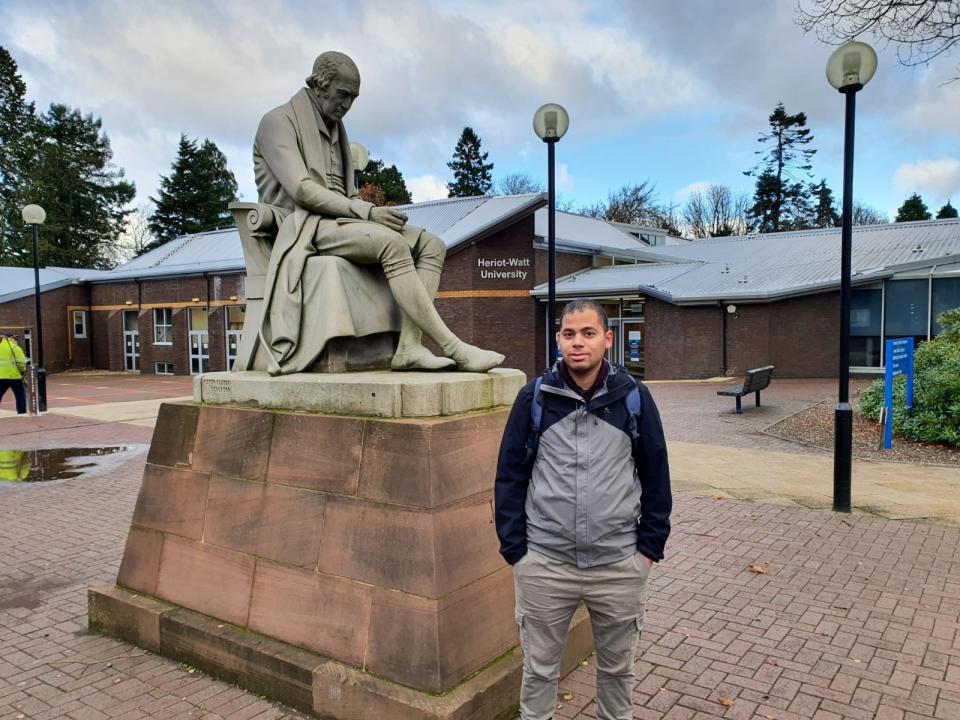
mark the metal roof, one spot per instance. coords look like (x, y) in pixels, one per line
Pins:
(18, 282)
(581, 233)
(454, 220)
(460, 220)
(776, 265)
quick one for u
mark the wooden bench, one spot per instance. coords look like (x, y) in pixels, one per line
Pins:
(756, 380)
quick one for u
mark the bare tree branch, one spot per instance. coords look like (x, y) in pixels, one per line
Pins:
(922, 30)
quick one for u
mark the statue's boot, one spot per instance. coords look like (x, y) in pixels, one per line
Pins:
(417, 304)
(411, 354)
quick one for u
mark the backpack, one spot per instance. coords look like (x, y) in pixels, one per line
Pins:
(634, 407)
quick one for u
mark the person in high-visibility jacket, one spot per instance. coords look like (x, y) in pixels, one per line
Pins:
(14, 465)
(13, 364)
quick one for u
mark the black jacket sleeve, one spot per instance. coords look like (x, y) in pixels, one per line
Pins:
(656, 500)
(513, 477)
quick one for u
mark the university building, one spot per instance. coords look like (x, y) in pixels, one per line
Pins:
(679, 309)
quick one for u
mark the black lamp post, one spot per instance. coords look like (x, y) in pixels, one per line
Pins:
(34, 215)
(849, 68)
(550, 123)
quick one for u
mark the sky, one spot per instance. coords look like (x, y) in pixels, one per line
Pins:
(674, 93)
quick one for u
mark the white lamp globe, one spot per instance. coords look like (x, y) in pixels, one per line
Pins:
(851, 64)
(550, 122)
(33, 214)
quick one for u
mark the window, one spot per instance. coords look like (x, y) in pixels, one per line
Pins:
(79, 323)
(163, 326)
(946, 296)
(163, 368)
(906, 311)
(865, 309)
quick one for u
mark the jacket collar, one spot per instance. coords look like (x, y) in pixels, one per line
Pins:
(616, 385)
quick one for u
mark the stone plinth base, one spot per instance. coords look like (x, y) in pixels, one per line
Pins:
(307, 681)
(342, 563)
(378, 393)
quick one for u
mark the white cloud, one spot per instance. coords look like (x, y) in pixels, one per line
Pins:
(564, 179)
(426, 187)
(938, 179)
(686, 191)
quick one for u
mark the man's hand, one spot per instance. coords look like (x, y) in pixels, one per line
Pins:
(648, 561)
(388, 217)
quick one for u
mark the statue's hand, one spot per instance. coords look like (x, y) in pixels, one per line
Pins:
(387, 216)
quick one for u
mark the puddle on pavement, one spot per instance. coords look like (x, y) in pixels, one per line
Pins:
(50, 463)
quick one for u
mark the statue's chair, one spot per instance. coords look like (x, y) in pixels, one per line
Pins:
(350, 320)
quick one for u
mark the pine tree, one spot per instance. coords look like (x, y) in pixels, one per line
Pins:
(825, 212)
(472, 174)
(947, 211)
(781, 200)
(83, 193)
(18, 148)
(913, 208)
(388, 179)
(194, 197)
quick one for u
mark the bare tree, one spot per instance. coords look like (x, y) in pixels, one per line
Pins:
(633, 204)
(135, 238)
(717, 211)
(518, 184)
(866, 215)
(922, 30)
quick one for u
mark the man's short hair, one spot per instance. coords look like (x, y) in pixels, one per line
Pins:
(329, 65)
(581, 304)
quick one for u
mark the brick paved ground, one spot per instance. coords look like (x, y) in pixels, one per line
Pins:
(857, 617)
(693, 412)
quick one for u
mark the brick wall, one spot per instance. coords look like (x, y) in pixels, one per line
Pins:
(61, 351)
(109, 301)
(800, 336)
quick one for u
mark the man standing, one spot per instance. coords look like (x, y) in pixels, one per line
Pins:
(301, 162)
(583, 511)
(13, 363)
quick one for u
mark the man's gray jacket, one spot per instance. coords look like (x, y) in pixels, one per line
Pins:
(593, 486)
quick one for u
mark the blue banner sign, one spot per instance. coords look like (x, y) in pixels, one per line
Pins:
(898, 360)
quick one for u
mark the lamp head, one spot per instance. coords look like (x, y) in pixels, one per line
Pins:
(33, 214)
(550, 122)
(359, 156)
(850, 65)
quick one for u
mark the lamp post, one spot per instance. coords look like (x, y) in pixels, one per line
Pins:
(849, 68)
(550, 123)
(360, 158)
(34, 215)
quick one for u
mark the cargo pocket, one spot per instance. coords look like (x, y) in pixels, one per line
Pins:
(521, 632)
(636, 640)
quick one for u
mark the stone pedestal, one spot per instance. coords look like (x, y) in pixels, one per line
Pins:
(341, 558)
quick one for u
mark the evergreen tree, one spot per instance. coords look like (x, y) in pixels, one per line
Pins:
(84, 194)
(194, 197)
(388, 179)
(913, 208)
(781, 200)
(947, 211)
(472, 174)
(824, 212)
(18, 147)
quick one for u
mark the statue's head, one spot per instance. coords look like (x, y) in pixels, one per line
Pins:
(335, 81)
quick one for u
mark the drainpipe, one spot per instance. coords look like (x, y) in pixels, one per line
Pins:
(723, 337)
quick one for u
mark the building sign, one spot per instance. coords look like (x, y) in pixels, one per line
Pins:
(510, 268)
(633, 346)
(898, 361)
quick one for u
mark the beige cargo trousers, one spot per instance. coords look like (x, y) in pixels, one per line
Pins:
(548, 592)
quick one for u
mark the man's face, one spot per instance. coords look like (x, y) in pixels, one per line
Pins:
(337, 99)
(582, 341)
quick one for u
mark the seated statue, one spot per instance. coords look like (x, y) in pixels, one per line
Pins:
(302, 165)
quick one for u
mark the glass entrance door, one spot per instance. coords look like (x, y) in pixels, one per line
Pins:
(131, 340)
(234, 318)
(632, 332)
(199, 341)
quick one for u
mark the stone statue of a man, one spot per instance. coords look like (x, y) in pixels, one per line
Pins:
(302, 163)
